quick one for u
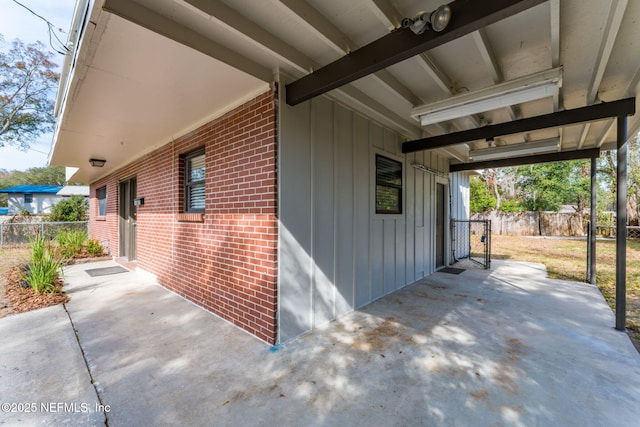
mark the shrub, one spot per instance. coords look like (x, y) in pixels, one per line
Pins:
(94, 247)
(44, 269)
(72, 209)
(71, 242)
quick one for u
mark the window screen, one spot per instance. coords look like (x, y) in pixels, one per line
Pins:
(194, 194)
(388, 186)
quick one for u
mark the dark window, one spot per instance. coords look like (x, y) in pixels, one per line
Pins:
(28, 198)
(101, 194)
(194, 173)
(388, 185)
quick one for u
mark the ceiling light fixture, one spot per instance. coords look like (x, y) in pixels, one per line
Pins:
(97, 163)
(524, 89)
(516, 150)
(436, 20)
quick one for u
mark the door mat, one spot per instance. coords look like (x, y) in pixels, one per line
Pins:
(106, 271)
(451, 270)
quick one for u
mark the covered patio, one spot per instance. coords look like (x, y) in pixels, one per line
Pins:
(505, 346)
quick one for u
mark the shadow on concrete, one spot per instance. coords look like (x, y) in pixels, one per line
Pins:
(506, 346)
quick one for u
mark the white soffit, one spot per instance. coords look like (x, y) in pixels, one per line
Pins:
(140, 94)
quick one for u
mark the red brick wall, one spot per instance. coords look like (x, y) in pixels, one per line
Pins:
(225, 260)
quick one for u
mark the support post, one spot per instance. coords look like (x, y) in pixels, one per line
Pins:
(621, 225)
(594, 224)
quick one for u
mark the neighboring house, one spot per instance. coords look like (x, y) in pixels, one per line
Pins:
(272, 202)
(39, 199)
(35, 199)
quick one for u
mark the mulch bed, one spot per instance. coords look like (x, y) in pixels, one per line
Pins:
(26, 299)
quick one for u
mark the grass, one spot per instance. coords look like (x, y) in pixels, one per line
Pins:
(566, 259)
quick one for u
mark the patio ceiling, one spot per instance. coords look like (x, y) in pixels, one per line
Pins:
(135, 85)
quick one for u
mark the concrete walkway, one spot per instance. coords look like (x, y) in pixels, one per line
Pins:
(501, 347)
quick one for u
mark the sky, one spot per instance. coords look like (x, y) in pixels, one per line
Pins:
(17, 22)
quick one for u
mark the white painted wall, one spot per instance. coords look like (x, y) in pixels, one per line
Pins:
(335, 253)
(41, 204)
(460, 195)
(460, 211)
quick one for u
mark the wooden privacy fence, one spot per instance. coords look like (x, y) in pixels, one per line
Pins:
(534, 223)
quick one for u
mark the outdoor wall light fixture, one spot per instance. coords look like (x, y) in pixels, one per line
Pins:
(515, 150)
(524, 89)
(436, 20)
(97, 163)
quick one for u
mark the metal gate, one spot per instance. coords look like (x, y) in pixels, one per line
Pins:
(471, 243)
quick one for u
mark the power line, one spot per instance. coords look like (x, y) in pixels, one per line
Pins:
(62, 49)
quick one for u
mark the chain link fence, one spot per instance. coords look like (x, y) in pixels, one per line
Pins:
(471, 243)
(21, 233)
(633, 232)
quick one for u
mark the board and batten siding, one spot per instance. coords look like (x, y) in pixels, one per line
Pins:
(335, 254)
(460, 195)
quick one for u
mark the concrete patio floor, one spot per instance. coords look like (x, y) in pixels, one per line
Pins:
(500, 347)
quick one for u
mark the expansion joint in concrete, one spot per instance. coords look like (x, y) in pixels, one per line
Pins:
(86, 363)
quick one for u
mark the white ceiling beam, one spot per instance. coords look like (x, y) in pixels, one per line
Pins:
(490, 61)
(392, 18)
(300, 62)
(611, 28)
(251, 32)
(387, 79)
(554, 18)
(487, 54)
(634, 84)
(583, 135)
(614, 19)
(376, 110)
(387, 13)
(633, 131)
(453, 152)
(607, 130)
(392, 15)
(554, 5)
(426, 62)
(341, 44)
(318, 23)
(159, 24)
(554, 9)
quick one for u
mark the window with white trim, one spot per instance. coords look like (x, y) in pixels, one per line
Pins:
(194, 181)
(388, 185)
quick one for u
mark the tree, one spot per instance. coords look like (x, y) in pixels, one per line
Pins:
(27, 84)
(607, 171)
(547, 186)
(481, 199)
